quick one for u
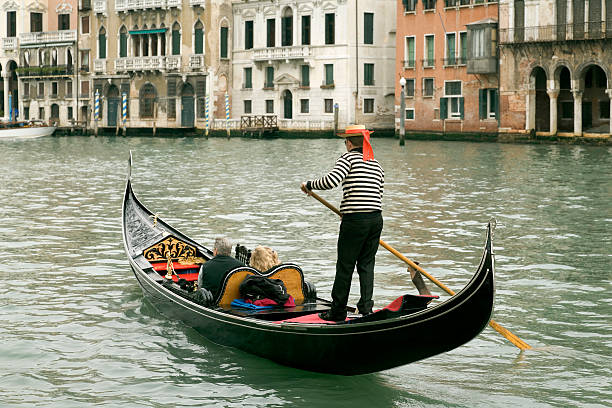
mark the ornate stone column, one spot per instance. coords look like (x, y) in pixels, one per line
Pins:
(6, 95)
(577, 112)
(609, 93)
(553, 95)
(530, 108)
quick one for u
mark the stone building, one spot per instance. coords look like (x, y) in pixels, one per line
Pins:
(555, 66)
(297, 59)
(38, 53)
(165, 55)
(447, 53)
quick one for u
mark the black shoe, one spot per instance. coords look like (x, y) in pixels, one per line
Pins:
(333, 316)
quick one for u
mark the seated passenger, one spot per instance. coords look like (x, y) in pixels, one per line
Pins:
(213, 272)
(263, 258)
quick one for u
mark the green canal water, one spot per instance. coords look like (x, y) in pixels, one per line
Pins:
(76, 331)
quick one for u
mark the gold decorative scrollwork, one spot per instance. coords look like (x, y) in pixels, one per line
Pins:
(170, 248)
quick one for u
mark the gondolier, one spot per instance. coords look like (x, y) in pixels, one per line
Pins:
(362, 179)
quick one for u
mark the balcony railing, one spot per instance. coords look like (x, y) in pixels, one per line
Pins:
(551, 33)
(196, 61)
(50, 71)
(99, 6)
(173, 62)
(99, 65)
(429, 63)
(46, 37)
(409, 63)
(200, 3)
(281, 53)
(127, 5)
(10, 43)
(140, 64)
(455, 61)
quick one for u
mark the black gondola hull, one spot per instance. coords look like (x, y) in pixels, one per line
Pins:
(346, 349)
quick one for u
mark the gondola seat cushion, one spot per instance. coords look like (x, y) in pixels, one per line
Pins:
(290, 274)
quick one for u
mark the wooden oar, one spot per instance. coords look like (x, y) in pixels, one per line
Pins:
(512, 338)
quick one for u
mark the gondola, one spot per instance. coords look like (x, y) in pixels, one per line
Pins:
(409, 329)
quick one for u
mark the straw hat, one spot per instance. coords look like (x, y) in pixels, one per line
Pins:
(352, 130)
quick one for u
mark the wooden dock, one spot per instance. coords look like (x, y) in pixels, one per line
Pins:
(260, 125)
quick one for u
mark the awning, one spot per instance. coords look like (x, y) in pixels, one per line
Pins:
(151, 31)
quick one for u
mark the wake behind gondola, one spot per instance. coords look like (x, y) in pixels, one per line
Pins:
(166, 263)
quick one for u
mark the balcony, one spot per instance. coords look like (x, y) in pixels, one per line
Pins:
(10, 43)
(99, 65)
(200, 3)
(173, 3)
(429, 63)
(47, 37)
(173, 62)
(484, 65)
(196, 61)
(409, 63)
(552, 33)
(128, 5)
(48, 71)
(281, 53)
(140, 64)
(99, 6)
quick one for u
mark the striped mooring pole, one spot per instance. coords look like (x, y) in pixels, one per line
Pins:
(207, 101)
(96, 111)
(124, 110)
(10, 106)
(227, 115)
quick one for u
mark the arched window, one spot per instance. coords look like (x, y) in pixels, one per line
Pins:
(26, 59)
(176, 39)
(145, 42)
(287, 27)
(153, 40)
(123, 36)
(136, 42)
(55, 111)
(162, 41)
(69, 57)
(223, 41)
(54, 57)
(102, 43)
(147, 100)
(199, 37)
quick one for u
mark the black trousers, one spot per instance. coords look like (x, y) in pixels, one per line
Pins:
(357, 245)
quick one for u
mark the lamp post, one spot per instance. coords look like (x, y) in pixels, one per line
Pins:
(402, 129)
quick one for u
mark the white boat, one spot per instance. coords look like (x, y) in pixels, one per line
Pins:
(25, 130)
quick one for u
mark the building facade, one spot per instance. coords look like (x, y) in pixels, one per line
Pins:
(447, 53)
(556, 65)
(166, 56)
(299, 59)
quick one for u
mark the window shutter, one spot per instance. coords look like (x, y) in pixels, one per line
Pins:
(199, 41)
(461, 107)
(176, 42)
(443, 108)
(482, 103)
(368, 28)
(248, 35)
(122, 45)
(224, 42)
(102, 46)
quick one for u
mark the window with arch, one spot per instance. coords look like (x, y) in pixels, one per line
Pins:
(176, 39)
(102, 43)
(54, 57)
(145, 42)
(26, 59)
(287, 27)
(123, 42)
(136, 43)
(69, 57)
(223, 42)
(162, 41)
(147, 101)
(198, 33)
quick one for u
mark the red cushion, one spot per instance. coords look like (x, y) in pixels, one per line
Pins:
(161, 266)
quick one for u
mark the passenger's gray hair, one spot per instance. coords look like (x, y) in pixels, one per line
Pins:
(223, 246)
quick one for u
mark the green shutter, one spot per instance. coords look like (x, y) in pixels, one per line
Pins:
(443, 108)
(411, 52)
(305, 75)
(248, 35)
(223, 42)
(368, 28)
(305, 30)
(430, 50)
(461, 107)
(199, 41)
(176, 42)
(482, 103)
(122, 45)
(102, 46)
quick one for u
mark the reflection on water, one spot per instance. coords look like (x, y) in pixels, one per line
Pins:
(76, 330)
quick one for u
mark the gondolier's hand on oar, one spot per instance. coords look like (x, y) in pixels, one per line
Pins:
(305, 189)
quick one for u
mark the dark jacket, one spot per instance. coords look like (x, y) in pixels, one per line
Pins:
(214, 271)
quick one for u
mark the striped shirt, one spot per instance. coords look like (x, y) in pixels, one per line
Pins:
(362, 182)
